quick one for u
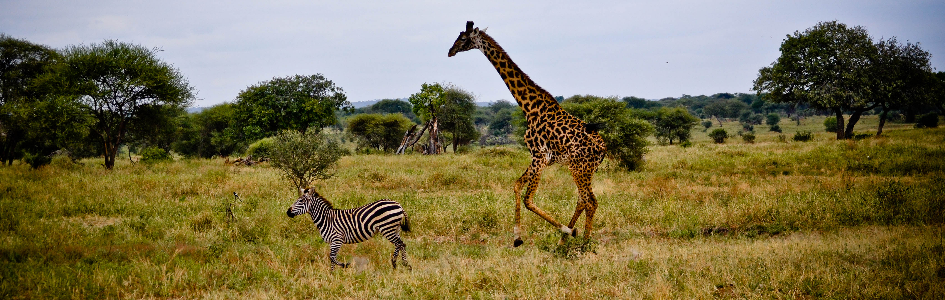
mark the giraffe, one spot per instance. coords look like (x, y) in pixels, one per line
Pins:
(552, 136)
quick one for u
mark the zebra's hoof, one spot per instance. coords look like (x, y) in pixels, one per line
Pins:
(518, 242)
(573, 233)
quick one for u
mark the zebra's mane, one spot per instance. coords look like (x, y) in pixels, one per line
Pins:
(316, 196)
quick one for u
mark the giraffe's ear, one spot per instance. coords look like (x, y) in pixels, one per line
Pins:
(469, 26)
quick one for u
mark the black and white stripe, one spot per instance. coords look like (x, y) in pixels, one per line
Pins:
(351, 226)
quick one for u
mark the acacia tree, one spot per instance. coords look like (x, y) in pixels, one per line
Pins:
(456, 114)
(295, 102)
(826, 66)
(115, 81)
(376, 131)
(305, 157)
(674, 124)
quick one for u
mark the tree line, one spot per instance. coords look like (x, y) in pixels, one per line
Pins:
(93, 99)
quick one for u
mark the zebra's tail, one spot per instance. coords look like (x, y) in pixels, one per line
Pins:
(405, 224)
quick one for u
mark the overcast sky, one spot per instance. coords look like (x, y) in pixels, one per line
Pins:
(649, 49)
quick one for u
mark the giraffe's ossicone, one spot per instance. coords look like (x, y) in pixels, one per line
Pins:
(552, 135)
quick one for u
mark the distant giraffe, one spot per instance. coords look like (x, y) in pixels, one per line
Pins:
(553, 135)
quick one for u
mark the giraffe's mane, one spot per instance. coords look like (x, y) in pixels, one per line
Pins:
(514, 66)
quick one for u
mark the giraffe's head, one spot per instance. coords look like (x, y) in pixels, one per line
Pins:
(467, 40)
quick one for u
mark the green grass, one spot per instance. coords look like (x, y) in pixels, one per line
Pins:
(820, 219)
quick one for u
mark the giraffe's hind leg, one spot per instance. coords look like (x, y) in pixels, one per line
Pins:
(587, 202)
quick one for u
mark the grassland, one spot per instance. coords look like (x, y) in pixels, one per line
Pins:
(770, 219)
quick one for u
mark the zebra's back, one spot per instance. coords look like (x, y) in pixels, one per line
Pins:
(363, 222)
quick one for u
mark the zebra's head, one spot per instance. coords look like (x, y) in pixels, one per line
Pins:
(304, 204)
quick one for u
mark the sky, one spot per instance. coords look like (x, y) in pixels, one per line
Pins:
(387, 49)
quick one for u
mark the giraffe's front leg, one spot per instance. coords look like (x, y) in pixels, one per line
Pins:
(517, 230)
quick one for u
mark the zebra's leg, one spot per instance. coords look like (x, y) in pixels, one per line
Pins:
(393, 235)
(334, 246)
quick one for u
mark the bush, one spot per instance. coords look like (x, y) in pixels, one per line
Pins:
(748, 137)
(260, 149)
(929, 120)
(748, 127)
(154, 154)
(623, 133)
(36, 160)
(772, 119)
(707, 124)
(305, 157)
(379, 132)
(830, 124)
(775, 128)
(803, 136)
(718, 135)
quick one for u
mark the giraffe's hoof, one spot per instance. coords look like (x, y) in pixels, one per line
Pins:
(518, 242)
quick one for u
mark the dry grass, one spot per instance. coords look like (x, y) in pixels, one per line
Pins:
(824, 219)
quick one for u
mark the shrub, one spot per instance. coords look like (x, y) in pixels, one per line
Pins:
(154, 154)
(748, 137)
(261, 148)
(929, 120)
(803, 136)
(748, 127)
(36, 160)
(623, 133)
(707, 124)
(379, 132)
(772, 119)
(830, 124)
(718, 135)
(775, 128)
(305, 157)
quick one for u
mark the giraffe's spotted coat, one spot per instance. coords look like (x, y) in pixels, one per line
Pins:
(553, 135)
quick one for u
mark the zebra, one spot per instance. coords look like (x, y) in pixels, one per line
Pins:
(351, 226)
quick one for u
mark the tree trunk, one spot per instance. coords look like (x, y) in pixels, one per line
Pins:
(840, 131)
(434, 147)
(852, 122)
(882, 121)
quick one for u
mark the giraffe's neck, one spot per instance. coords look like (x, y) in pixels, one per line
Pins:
(530, 96)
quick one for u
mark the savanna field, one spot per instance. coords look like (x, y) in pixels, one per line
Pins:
(770, 219)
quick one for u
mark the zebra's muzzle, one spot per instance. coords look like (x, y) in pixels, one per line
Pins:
(289, 213)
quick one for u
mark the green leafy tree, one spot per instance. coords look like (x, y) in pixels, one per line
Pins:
(456, 116)
(425, 104)
(674, 124)
(32, 118)
(295, 103)
(381, 132)
(392, 106)
(726, 108)
(902, 78)
(624, 135)
(826, 66)
(305, 157)
(209, 132)
(115, 81)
